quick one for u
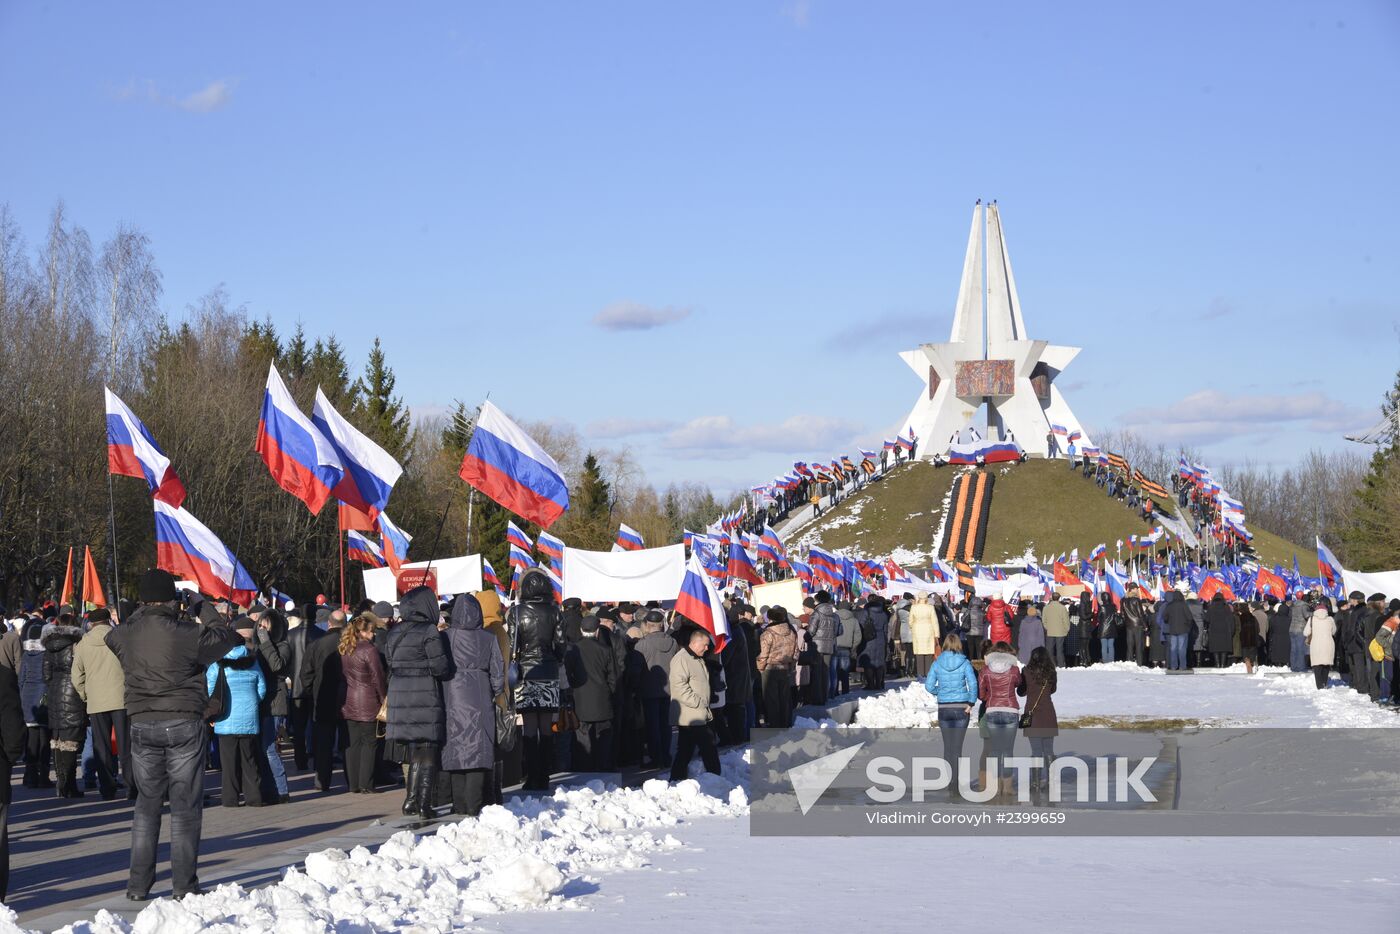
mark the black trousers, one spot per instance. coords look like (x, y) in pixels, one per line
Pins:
(5, 839)
(329, 738)
(238, 755)
(689, 740)
(469, 790)
(359, 755)
(103, 725)
(301, 729)
(1320, 673)
(777, 698)
(593, 746)
(733, 724)
(37, 755)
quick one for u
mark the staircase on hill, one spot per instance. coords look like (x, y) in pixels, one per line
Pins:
(965, 532)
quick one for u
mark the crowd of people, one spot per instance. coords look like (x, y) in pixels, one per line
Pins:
(457, 701)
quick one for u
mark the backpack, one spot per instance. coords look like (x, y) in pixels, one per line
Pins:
(1383, 645)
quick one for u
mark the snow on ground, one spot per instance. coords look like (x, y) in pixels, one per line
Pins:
(1273, 697)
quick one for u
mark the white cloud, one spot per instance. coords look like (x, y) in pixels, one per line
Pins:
(892, 330)
(798, 11)
(213, 96)
(1211, 415)
(632, 316)
(801, 436)
(609, 428)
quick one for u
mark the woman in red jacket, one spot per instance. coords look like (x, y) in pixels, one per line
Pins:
(365, 690)
(999, 622)
(996, 688)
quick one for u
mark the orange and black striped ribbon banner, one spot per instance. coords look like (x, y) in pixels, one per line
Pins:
(965, 577)
(1154, 489)
(1117, 462)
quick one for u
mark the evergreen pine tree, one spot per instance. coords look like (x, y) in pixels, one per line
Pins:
(295, 360)
(1370, 540)
(382, 414)
(591, 508)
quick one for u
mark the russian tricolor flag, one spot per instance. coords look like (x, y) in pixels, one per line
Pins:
(1060, 430)
(519, 558)
(517, 537)
(300, 458)
(132, 452)
(741, 565)
(396, 542)
(556, 582)
(550, 547)
(629, 539)
(699, 602)
(370, 473)
(187, 549)
(488, 575)
(1330, 568)
(507, 465)
(1098, 552)
(359, 548)
(802, 571)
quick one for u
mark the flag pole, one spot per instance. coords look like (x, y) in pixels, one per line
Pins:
(112, 525)
(340, 548)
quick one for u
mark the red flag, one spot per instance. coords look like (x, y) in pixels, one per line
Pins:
(67, 597)
(1064, 575)
(92, 584)
(356, 520)
(1211, 586)
(1269, 582)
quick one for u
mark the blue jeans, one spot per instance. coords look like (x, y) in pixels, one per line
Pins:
(167, 759)
(268, 740)
(1106, 649)
(831, 675)
(1178, 650)
(1001, 737)
(1297, 652)
(952, 726)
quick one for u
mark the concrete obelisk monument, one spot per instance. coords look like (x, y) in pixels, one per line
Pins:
(989, 359)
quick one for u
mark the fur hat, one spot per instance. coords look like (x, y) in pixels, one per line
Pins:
(156, 586)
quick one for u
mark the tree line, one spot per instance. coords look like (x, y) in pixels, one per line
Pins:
(77, 315)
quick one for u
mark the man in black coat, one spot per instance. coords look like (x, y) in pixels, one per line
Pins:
(299, 697)
(593, 676)
(738, 678)
(324, 681)
(11, 751)
(1178, 620)
(1135, 621)
(164, 660)
(571, 619)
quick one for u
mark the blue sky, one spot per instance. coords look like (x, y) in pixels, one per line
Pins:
(705, 230)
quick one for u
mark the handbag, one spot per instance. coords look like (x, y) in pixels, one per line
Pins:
(1030, 711)
(507, 727)
(565, 721)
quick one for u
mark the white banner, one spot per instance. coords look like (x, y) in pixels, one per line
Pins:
(638, 576)
(454, 576)
(785, 593)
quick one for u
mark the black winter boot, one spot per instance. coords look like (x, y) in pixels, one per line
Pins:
(412, 790)
(545, 761)
(529, 761)
(427, 785)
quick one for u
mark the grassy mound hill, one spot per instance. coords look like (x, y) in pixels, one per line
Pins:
(1040, 506)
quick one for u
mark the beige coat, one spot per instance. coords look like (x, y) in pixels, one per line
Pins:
(923, 625)
(1322, 647)
(97, 674)
(690, 690)
(1056, 619)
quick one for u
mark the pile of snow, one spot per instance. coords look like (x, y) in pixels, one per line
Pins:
(1272, 697)
(519, 857)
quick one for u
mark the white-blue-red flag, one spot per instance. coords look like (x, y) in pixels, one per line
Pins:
(507, 465)
(396, 542)
(132, 452)
(300, 458)
(488, 576)
(516, 536)
(370, 472)
(186, 548)
(520, 558)
(359, 547)
(741, 565)
(628, 538)
(550, 547)
(700, 603)
(1330, 569)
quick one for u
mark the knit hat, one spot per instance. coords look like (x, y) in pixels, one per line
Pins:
(156, 586)
(588, 624)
